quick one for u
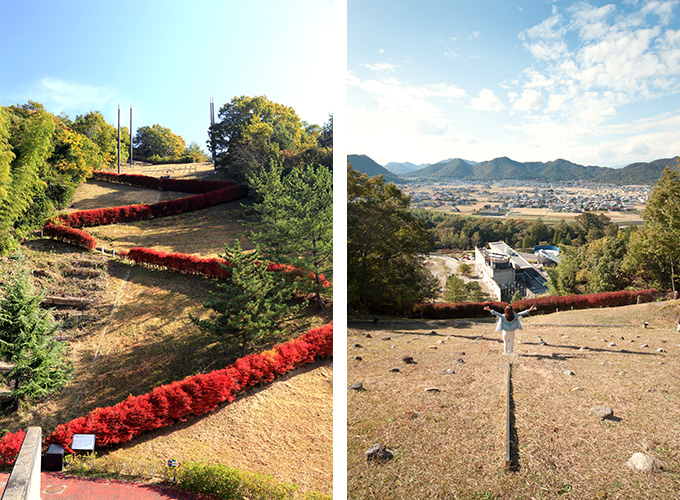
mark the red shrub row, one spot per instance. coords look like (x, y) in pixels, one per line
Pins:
(70, 235)
(191, 264)
(199, 201)
(132, 213)
(440, 310)
(182, 185)
(544, 305)
(10, 444)
(606, 299)
(195, 395)
(104, 216)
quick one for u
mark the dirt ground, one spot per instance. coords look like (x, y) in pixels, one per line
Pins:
(450, 442)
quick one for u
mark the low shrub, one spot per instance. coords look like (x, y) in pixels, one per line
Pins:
(70, 235)
(222, 482)
(194, 395)
(545, 305)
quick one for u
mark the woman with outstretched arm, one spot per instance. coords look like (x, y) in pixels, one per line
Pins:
(508, 323)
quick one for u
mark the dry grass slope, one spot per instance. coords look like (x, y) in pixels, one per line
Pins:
(138, 335)
(455, 447)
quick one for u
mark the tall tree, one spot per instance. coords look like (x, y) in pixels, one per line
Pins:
(157, 143)
(254, 131)
(39, 364)
(251, 304)
(385, 246)
(294, 221)
(94, 127)
(30, 133)
(654, 249)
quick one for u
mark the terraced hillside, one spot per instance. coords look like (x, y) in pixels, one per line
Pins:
(137, 335)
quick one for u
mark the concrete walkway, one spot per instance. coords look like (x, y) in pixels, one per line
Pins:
(57, 485)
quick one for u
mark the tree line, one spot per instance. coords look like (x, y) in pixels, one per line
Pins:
(387, 242)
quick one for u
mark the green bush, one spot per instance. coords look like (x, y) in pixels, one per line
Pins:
(222, 482)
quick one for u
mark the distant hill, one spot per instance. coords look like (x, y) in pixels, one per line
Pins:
(402, 168)
(557, 170)
(639, 173)
(363, 163)
(504, 168)
(447, 169)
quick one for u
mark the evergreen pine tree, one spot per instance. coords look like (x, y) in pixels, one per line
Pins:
(294, 222)
(252, 303)
(40, 367)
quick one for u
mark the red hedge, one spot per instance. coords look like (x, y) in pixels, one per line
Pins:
(544, 305)
(182, 185)
(191, 264)
(195, 395)
(10, 444)
(70, 235)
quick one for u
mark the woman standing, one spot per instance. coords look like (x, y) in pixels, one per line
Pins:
(508, 323)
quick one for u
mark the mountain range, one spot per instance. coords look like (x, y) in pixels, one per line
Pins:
(506, 169)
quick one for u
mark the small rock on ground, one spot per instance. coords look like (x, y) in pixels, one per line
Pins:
(448, 371)
(602, 411)
(408, 360)
(378, 452)
(643, 462)
(569, 372)
(395, 370)
(432, 389)
(358, 386)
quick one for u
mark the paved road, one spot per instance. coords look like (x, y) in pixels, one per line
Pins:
(59, 486)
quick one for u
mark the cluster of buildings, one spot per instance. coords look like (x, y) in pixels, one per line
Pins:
(505, 271)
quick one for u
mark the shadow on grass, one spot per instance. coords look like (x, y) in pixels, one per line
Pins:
(512, 452)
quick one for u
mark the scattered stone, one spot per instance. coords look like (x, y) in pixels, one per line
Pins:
(460, 360)
(412, 414)
(408, 360)
(358, 386)
(662, 341)
(395, 370)
(358, 346)
(432, 389)
(565, 336)
(569, 372)
(644, 345)
(542, 343)
(439, 342)
(577, 389)
(378, 452)
(448, 371)
(584, 348)
(643, 462)
(651, 390)
(611, 344)
(416, 338)
(358, 358)
(433, 333)
(368, 336)
(631, 340)
(392, 346)
(603, 412)
(661, 349)
(432, 347)
(386, 338)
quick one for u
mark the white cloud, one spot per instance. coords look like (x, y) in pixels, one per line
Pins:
(70, 97)
(530, 99)
(381, 51)
(486, 101)
(381, 67)
(474, 35)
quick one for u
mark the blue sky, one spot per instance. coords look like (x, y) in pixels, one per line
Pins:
(167, 58)
(597, 83)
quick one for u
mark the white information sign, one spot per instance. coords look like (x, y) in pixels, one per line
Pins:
(83, 442)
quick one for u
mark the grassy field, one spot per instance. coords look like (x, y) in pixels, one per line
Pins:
(137, 335)
(451, 444)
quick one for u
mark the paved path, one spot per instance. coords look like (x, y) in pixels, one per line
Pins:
(59, 486)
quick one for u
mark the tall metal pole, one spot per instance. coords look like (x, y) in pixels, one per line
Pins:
(212, 132)
(119, 138)
(131, 160)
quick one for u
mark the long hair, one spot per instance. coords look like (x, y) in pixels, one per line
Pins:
(509, 313)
